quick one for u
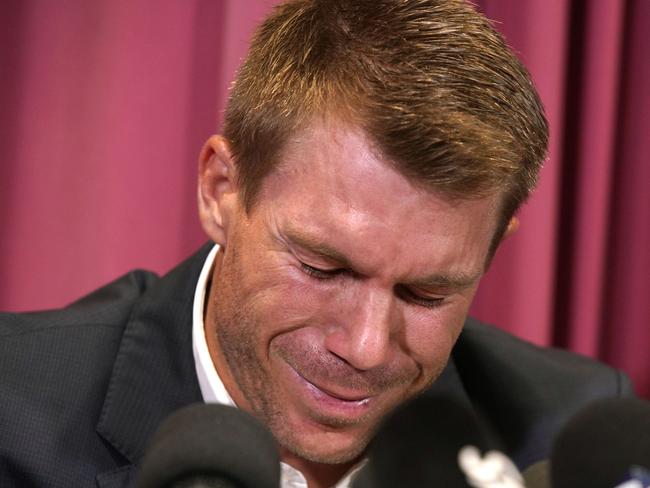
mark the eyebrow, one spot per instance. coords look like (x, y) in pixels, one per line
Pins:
(455, 281)
(315, 246)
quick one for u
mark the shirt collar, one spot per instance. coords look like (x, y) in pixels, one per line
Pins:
(212, 388)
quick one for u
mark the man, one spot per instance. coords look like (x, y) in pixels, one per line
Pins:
(373, 157)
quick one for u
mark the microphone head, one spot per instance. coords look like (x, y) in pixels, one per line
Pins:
(602, 444)
(223, 446)
(419, 445)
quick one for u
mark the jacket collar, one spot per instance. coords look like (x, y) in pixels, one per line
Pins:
(154, 372)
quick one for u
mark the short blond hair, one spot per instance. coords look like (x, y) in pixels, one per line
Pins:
(431, 82)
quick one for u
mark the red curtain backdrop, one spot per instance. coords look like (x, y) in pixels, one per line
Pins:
(104, 106)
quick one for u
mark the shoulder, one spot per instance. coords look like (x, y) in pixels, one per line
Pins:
(108, 306)
(38, 346)
(526, 392)
(494, 355)
(56, 366)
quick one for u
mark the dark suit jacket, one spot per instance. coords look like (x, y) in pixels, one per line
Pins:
(83, 388)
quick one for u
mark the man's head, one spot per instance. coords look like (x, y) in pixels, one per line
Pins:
(374, 152)
(431, 83)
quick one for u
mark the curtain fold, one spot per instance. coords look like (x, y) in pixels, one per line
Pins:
(580, 269)
(626, 295)
(105, 106)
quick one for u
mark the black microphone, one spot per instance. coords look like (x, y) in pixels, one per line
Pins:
(434, 441)
(210, 446)
(603, 446)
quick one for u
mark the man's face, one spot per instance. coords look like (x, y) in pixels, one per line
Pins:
(341, 294)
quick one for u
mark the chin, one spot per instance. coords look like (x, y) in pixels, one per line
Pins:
(328, 454)
(325, 447)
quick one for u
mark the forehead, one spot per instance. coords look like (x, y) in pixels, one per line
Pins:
(333, 183)
(341, 159)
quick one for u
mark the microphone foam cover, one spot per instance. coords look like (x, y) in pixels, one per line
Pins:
(211, 441)
(601, 443)
(419, 444)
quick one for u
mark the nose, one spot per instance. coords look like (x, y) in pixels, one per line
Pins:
(362, 334)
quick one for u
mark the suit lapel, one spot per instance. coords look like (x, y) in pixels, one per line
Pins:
(154, 372)
(449, 384)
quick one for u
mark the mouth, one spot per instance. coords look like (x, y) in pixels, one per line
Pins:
(352, 397)
(331, 402)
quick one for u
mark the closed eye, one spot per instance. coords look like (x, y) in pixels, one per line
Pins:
(319, 273)
(412, 297)
(403, 292)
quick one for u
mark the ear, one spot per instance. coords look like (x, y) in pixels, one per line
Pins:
(513, 225)
(217, 190)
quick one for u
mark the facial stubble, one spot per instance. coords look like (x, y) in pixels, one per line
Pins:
(237, 328)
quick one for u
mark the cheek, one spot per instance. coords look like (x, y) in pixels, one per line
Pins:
(429, 337)
(285, 298)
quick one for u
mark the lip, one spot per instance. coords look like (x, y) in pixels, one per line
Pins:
(346, 397)
(329, 402)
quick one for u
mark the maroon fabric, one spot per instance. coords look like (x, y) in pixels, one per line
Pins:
(105, 106)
